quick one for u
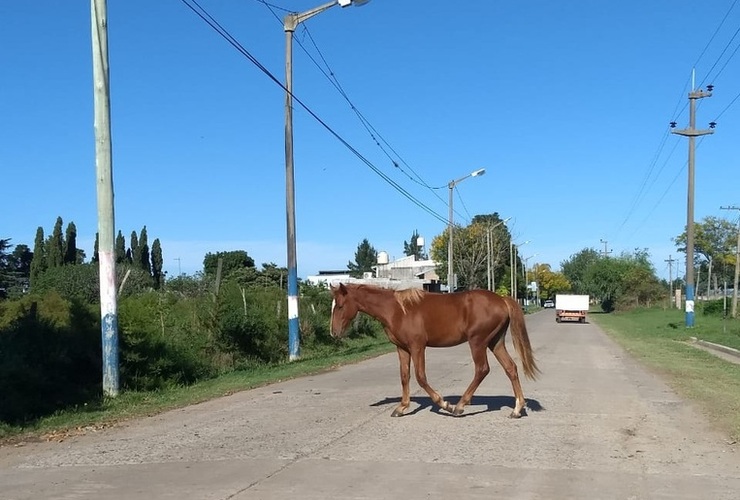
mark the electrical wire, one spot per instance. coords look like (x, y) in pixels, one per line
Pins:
(216, 26)
(371, 130)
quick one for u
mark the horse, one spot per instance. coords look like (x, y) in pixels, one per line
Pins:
(414, 319)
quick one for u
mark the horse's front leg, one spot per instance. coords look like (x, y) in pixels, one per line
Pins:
(421, 377)
(404, 359)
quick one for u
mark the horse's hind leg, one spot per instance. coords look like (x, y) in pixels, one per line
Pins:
(421, 377)
(404, 359)
(503, 357)
(480, 359)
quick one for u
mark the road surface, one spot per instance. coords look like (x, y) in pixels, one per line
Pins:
(598, 426)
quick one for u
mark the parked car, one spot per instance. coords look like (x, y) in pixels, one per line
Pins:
(549, 304)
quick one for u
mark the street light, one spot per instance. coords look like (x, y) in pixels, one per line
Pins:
(450, 268)
(512, 249)
(526, 277)
(290, 23)
(492, 265)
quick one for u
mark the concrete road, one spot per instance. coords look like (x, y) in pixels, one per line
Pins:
(599, 426)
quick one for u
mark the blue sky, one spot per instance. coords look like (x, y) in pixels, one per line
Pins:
(566, 105)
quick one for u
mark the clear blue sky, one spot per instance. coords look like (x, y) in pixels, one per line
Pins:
(566, 105)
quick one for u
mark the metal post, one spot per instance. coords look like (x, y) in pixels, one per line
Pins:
(691, 133)
(104, 181)
(737, 265)
(450, 269)
(670, 279)
(488, 259)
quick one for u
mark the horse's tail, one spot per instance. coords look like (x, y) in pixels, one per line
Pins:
(520, 338)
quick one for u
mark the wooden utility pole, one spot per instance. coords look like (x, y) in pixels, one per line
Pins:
(606, 252)
(737, 264)
(104, 179)
(692, 134)
(670, 261)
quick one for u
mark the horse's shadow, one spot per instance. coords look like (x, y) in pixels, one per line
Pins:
(491, 403)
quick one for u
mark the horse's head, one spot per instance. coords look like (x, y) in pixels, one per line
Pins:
(343, 309)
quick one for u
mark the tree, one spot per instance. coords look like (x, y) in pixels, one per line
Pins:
(550, 283)
(714, 241)
(134, 257)
(96, 249)
(55, 246)
(5, 272)
(39, 264)
(471, 251)
(157, 263)
(70, 245)
(143, 261)
(576, 267)
(21, 260)
(120, 248)
(412, 247)
(233, 261)
(365, 258)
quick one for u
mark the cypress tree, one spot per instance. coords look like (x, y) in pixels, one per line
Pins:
(55, 246)
(120, 248)
(39, 261)
(96, 248)
(144, 252)
(70, 244)
(157, 263)
(135, 256)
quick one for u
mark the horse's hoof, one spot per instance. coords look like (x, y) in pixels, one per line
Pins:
(458, 411)
(397, 413)
(515, 415)
(448, 407)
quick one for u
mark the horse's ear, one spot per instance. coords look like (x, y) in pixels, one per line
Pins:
(342, 289)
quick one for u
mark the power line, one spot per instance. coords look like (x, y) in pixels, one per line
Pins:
(371, 130)
(216, 26)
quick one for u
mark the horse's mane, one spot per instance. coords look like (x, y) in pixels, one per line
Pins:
(408, 297)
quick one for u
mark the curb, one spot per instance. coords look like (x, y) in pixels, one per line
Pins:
(718, 347)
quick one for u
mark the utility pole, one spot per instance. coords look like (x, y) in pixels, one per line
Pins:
(606, 252)
(737, 263)
(670, 261)
(104, 180)
(692, 133)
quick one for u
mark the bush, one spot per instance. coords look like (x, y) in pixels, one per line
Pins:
(161, 343)
(49, 357)
(82, 281)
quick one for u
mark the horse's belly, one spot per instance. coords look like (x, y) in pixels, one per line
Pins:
(445, 339)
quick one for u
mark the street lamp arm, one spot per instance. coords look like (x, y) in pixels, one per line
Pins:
(291, 21)
(471, 174)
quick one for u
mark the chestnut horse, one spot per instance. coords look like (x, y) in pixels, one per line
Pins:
(414, 320)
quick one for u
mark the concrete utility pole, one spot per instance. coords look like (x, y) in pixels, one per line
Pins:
(737, 264)
(670, 261)
(606, 252)
(692, 134)
(104, 178)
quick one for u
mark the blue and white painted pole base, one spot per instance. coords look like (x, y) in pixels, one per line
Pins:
(689, 306)
(294, 334)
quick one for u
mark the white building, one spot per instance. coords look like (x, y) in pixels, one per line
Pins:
(406, 272)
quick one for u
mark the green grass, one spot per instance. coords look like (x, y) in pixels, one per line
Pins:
(128, 405)
(660, 339)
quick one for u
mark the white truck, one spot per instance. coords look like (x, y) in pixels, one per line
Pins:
(571, 307)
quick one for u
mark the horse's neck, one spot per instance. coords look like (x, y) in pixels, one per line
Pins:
(380, 304)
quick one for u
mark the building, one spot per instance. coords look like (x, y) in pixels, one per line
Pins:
(406, 272)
